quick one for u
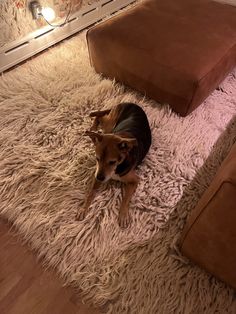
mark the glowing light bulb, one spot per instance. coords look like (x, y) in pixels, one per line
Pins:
(48, 14)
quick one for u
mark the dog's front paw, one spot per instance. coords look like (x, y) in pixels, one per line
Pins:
(81, 214)
(124, 220)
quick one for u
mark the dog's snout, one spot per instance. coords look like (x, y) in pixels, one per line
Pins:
(100, 177)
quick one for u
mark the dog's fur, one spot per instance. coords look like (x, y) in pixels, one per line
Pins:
(121, 147)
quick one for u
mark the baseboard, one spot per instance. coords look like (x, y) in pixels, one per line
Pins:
(20, 50)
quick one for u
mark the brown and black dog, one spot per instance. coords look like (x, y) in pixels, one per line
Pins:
(125, 141)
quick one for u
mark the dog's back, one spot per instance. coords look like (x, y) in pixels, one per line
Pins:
(132, 120)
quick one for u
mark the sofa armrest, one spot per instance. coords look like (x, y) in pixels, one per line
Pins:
(209, 236)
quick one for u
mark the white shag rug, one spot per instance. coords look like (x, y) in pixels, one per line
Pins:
(46, 164)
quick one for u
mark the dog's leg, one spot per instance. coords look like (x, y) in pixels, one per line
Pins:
(91, 194)
(131, 182)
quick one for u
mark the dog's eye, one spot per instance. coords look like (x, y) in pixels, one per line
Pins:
(112, 162)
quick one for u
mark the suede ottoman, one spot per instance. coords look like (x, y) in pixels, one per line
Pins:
(209, 236)
(174, 51)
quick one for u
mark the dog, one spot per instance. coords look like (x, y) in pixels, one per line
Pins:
(122, 146)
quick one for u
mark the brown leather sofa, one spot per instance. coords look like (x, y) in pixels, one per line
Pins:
(209, 237)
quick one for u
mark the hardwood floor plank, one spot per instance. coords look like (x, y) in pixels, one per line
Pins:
(26, 288)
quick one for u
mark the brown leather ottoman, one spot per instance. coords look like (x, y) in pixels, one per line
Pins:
(174, 51)
(209, 237)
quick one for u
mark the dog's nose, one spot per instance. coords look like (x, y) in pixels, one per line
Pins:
(100, 177)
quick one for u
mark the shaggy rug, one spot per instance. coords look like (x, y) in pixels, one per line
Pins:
(46, 164)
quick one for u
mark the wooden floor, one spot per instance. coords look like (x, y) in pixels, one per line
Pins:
(26, 288)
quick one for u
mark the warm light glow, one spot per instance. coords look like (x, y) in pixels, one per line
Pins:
(48, 14)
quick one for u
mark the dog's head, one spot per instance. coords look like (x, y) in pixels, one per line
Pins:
(111, 150)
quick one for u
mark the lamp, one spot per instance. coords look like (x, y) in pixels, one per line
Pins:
(48, 14)
(38, 11)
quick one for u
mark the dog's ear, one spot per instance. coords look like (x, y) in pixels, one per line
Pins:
(95, 137)
(126, 144)
(100, 113)
(97, 118)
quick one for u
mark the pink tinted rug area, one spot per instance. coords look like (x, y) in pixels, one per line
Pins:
(46, 164)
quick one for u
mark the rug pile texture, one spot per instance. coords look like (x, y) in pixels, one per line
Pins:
(46, 164)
